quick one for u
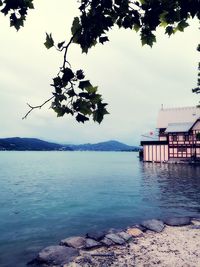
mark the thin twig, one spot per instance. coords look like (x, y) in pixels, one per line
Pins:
(63, 67)
(66, 48)
(36, 107)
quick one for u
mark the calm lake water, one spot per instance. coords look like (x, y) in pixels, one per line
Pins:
(47, 196)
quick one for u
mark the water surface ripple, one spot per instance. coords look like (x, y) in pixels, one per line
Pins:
(46, 196)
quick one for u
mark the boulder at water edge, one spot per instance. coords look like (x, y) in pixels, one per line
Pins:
(77, 242)
(178, 221)
(154, 225)
(96, 235)
(125, 236)
(107, 242)
(134, 232)
(91, 243)
(116, 239)
(57, 255)
(139, 226)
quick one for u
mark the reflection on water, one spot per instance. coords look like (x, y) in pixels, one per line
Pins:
(47, 196)
(179, 186)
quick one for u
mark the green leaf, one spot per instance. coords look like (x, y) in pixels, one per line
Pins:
(49, 41)
(60, 45)
(182, 25)
(67, 76)
(16, 22)
(148, 39)
(136, 27)
(91, 89)
(84, 49)
(84, 84)
(163, 19)
(104, 39)
(98, 114)
(29, 4)
(80, 75)
(71, 93)
(85, 108)
(75, 26)
(68, 110)
(59, 110)
(1, 3)
(169, 30)
(163, 24)
(60, 98)
(81, 118)
(57, 81)
(95, 98)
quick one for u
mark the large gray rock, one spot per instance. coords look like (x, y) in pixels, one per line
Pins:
(91, 243)
(96, 235)
(178, 221)
(57, 255)
(125, 236)
(77, 242)
(154, 225)
(107, 242)
(116, 239)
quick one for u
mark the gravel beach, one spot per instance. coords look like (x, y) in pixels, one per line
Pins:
(173, 247)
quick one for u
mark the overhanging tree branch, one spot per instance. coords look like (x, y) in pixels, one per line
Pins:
(96, 19)
(36, 107)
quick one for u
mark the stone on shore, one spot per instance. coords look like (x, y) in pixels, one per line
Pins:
(125, 236)
(91, 243)
(116, 239)
(154, 225)
(96, 235)
(178, 221)
(135, 232)
(77, 242)
(107, 242)
(138, 226)
(57, 255)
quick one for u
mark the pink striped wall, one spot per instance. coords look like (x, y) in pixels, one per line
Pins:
(155, 153)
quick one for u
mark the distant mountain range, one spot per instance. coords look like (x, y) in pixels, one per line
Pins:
(33, 144)
(104, 146)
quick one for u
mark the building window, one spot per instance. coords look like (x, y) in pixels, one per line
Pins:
(186, 137)
(182, 149)
(174, 138)
(198, 136)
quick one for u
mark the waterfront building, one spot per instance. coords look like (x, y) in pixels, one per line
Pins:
(177, 137)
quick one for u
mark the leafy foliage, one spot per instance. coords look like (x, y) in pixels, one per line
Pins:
(49, 41)
(72, 93)
(17, 10)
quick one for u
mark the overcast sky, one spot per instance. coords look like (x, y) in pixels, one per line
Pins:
(134, 80)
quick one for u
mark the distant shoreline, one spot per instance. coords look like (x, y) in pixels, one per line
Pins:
(68, 151)
(34, 144)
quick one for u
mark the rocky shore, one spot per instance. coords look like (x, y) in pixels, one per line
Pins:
(174, 242)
